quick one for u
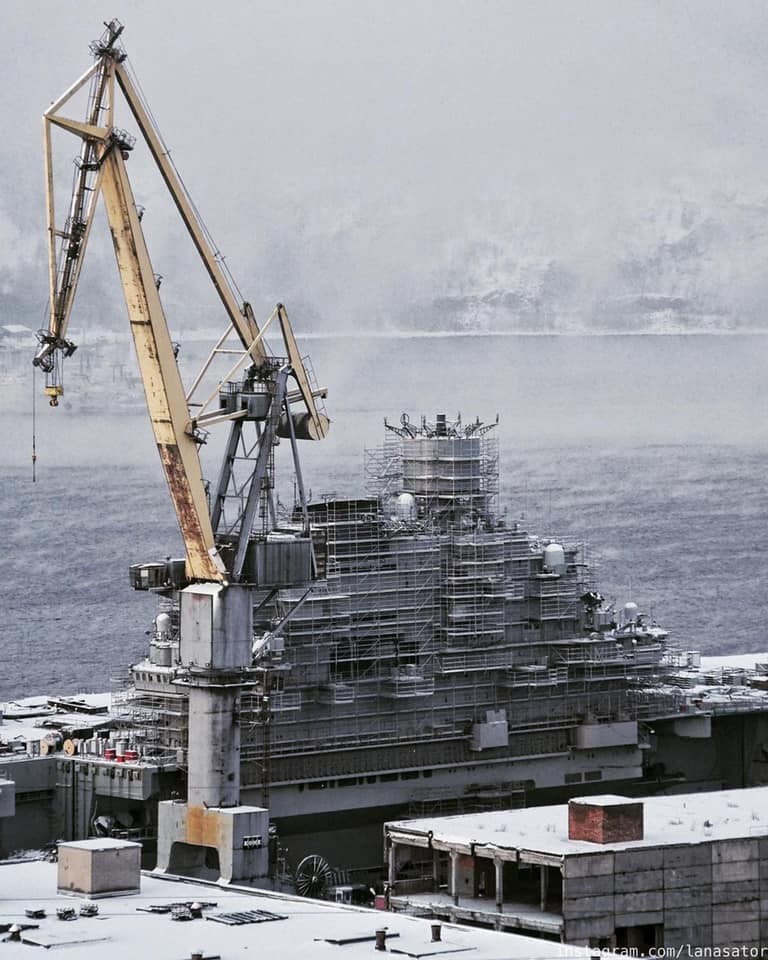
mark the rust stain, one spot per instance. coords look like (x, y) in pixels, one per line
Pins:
(212, 829)
(197, 556)
(195, 821)
(205, 828)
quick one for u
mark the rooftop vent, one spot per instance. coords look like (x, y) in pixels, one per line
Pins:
(606, 819)
(194, 908)
(246, 916)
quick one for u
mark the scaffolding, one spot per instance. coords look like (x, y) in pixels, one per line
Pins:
(450, 469)
(436, 634)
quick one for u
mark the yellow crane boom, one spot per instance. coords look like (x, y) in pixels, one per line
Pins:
(101, 170)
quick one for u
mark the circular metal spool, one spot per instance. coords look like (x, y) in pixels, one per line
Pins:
(313, 876)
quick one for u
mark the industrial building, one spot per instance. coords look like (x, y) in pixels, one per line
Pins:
(601, 871)
(96, 903)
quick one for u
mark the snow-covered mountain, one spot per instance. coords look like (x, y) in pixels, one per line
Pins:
(671, 264)
(676, 265)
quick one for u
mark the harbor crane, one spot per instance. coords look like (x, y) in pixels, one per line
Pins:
(227, 528)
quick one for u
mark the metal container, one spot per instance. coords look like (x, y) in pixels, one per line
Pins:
(279, 562)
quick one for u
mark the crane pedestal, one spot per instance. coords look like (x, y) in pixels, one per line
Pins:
(229, 844)
(211, 836)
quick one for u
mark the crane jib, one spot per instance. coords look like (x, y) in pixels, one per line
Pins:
(179, 420)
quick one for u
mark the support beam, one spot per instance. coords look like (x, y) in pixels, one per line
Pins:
(320, 423)
(455, 877)
(225, 472)
(498, 866)
(164, 391)
(242, 320)
(259, 473)
(64, 270)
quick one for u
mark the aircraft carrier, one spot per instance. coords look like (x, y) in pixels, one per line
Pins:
(443, 661)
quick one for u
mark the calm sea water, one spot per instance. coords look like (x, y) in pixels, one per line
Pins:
(651, 449)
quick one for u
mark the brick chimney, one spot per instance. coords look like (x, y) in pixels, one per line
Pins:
(606, 819)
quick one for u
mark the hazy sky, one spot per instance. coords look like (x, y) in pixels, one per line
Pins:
(344, 153)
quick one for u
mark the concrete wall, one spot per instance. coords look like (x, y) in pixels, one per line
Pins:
(32, 823)
(99, 868)
(705, 894)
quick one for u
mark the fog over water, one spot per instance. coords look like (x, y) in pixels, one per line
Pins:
(650, 449)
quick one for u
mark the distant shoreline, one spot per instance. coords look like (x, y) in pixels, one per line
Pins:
(210, 336)
(446, 334)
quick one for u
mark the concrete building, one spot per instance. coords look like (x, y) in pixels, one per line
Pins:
(604, 871)
(97, 904)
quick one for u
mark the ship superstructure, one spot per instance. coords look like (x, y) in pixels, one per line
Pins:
(445, 659)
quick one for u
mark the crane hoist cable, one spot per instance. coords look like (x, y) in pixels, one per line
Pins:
(34, 426)
(220, 257)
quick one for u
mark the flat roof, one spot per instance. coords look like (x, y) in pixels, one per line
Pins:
(31, 718)
(688, 818)
(604, 800)
(100, 843)
(744, 661)
(126, 927)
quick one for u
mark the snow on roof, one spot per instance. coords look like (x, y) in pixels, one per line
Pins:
(684, 818)
(16, 328)
(31, 704)
(127, 927)
(31, 718)
(101, 843)
(605, 800)
(744, 661)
